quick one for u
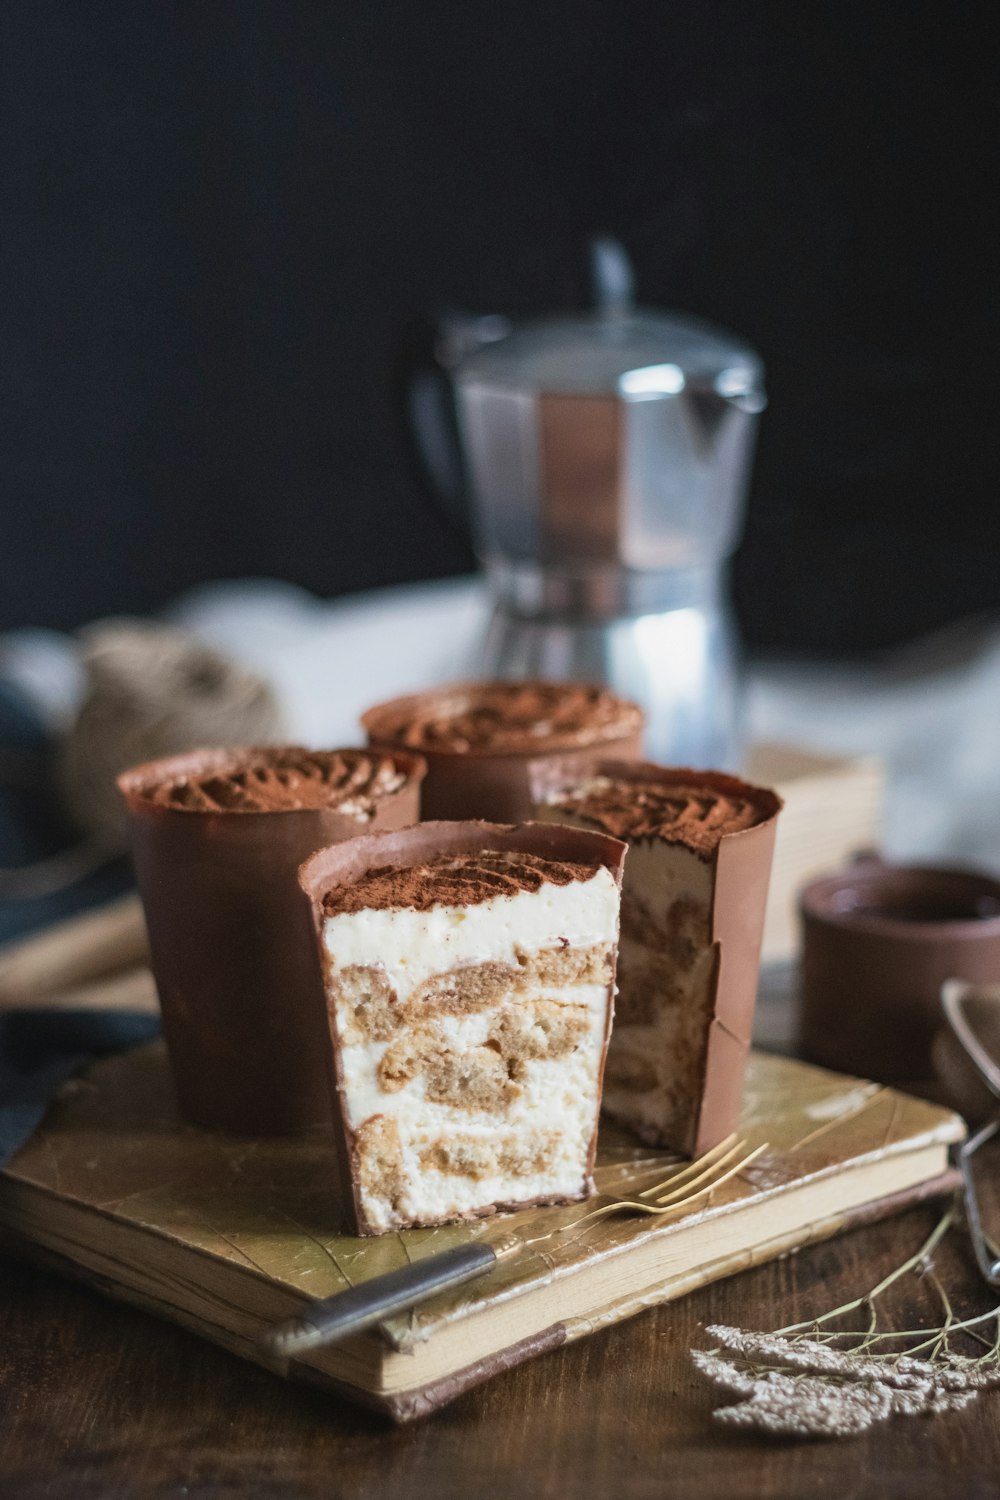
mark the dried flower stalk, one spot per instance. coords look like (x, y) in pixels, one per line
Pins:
(815, 1380)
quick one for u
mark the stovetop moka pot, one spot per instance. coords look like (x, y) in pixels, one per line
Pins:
(604, 459)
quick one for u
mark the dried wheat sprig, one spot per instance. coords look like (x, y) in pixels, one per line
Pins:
(921, 1257)
(801, 1381)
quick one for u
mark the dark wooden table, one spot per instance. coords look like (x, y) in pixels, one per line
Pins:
(99, 1400)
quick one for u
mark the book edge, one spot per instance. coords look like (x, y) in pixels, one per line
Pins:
(407, 1406)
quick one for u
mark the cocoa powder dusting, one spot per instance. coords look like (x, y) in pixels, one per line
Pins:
(505, 718)
(696, 816)
(452, 880)
(283, 779)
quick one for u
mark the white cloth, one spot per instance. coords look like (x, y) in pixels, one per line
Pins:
(931, 710)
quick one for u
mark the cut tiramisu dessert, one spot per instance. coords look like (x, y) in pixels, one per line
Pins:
(469, 973)
(695, 888)
(218, 837)
(479, 739)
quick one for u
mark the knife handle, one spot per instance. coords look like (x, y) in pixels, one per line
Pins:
(359, 1307)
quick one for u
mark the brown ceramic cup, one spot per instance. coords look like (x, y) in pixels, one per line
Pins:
(216, 858)
(482, 739)
(879, 941)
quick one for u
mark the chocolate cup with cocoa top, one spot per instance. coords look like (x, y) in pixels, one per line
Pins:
(480, 738)
(739, 865)
(217, 839)
(345, 864)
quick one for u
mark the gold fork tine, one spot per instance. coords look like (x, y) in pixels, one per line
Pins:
(702, 1170)
(677, 1199)
(706, 1162)
(716, 1181)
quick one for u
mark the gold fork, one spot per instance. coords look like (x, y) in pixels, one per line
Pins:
(333, 1318)
(681, 1187)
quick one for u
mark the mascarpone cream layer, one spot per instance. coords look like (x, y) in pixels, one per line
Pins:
(556, 1101)
(414, 945)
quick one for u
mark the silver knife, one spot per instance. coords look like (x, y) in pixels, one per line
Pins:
(360, 1306)
(328, 1320)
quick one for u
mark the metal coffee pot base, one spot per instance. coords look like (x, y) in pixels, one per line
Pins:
(680, 664)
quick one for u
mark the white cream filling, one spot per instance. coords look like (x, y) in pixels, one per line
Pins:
(413, 945)
(660, 873)
(558, 1097)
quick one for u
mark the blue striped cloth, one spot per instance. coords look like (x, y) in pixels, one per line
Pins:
(40, 1049)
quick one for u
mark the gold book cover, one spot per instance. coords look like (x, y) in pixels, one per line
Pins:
(227, 1235)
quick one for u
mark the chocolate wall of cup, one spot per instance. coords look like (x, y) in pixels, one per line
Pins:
(875, 956)
(346, 863)
(231, 947)
(479, 783)
(739, 900)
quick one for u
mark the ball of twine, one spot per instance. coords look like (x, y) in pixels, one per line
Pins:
(152, 690)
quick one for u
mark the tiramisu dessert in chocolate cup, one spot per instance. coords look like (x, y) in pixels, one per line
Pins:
(479, 738)
(696, 877)
(218, 836)
(469, 971)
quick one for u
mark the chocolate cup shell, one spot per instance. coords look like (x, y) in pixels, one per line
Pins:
(346, 863)
(742, 876)
(871, 981)
(464, 784)
(231, 947)
(742, 864)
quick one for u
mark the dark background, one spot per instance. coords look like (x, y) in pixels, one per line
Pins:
(219, 220)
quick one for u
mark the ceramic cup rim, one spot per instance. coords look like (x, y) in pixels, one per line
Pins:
(818, 902)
